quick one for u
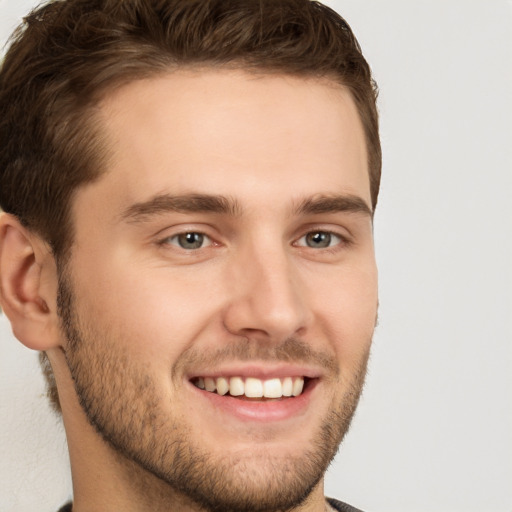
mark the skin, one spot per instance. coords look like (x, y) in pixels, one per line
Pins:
(145, 315)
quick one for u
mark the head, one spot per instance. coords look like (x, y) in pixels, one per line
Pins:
(69, 54)
(79, 72)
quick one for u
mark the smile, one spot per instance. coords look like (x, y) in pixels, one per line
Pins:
(251, 387)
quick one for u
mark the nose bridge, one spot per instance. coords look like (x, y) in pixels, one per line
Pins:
(266, 293)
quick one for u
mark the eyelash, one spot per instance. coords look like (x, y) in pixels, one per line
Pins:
(168, 240)
(340, 240)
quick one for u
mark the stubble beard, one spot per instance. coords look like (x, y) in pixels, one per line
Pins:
(123, 404)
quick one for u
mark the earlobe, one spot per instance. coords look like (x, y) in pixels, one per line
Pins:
(28, 299)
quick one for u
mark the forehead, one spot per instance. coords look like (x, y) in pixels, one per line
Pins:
(232, 133)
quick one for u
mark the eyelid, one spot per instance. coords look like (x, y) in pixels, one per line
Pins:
(340, 239)
(207, 240)
(164, 236)
(340, 232)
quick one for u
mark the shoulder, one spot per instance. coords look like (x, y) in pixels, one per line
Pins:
(342, 507)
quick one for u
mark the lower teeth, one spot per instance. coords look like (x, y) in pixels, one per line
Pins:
(259, 399)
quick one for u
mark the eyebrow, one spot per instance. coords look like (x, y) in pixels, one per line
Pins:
(206, 203)
(188, 203)
(333, 204)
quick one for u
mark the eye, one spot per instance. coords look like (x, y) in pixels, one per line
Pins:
(319, 240)
(189, 241)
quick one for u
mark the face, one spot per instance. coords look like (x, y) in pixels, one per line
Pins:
(221, 295)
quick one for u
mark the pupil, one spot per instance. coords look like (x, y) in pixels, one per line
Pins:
(191, 240)
(319, 239)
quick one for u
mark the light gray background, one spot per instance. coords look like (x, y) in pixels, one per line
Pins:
(434, 429)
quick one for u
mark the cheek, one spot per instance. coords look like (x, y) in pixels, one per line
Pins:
(348, 311)
(155, 313)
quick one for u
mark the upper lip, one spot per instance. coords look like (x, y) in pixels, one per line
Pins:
(258, 371)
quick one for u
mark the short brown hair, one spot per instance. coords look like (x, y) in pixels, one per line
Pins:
(69, 53)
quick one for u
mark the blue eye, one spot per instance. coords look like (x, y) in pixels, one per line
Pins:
(319, 240)
(190, 240)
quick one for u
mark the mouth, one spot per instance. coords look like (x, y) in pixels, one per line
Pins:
(251, 388)
(264, 395)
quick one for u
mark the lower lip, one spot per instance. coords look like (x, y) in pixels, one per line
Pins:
(264, 411)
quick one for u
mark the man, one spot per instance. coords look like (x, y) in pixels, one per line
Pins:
(188, 189)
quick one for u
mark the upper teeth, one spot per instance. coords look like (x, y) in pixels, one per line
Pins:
(252, 387)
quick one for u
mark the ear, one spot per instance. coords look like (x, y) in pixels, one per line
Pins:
(28, 285)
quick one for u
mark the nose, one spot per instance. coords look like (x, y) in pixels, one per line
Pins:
(267, 299)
